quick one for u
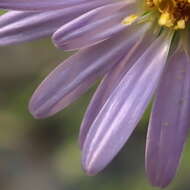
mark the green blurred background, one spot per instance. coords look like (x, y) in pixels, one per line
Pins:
(44, 154)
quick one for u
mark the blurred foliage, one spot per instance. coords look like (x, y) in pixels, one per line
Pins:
(44, 154)
(2, 11)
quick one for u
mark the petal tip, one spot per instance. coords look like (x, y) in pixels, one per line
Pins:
(160, 184)
(35, 110)
(90, 171)
(159, 181)
(57, 41)
(90, 166)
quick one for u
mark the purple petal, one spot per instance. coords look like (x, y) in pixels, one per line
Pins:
(94, 26)
(169, 121)
(19, 27)
(73, 77)
(110, 82)
(13, 16)
(124, 108)
(37, 5)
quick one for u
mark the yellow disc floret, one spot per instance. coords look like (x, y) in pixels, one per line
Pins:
(166, 20)
(173, 14)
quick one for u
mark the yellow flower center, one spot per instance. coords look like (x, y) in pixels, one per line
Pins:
(173, 14)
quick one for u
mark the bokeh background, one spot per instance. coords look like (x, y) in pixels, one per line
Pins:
(44, 154)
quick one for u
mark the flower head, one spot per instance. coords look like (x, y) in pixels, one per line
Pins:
(139, 48)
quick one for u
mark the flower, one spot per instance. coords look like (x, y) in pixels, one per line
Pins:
(140, 48)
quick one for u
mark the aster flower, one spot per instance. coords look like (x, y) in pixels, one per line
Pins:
(139, 48)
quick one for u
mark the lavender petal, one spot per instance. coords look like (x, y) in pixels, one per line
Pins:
(17, 27)
(95, 26)
(110, 82)
(36, 5)
(73, 77)
(169, 121)
(124, 108)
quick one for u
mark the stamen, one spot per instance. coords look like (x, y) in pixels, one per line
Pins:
(174, 14)
(180, 24)
(165, 20)
(129, 19)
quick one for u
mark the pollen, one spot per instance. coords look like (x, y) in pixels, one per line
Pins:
(129, 19)
(166, 20)
(173, 14)
(180, 24)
